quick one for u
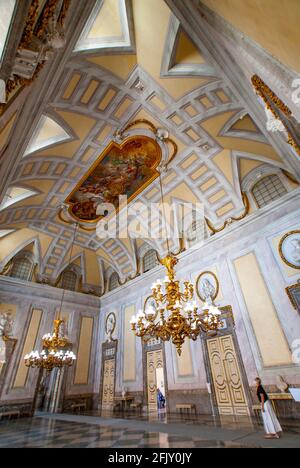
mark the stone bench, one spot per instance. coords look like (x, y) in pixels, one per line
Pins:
(257, 410)
(136, 405)
(186, 408)
(78, 407)
(10, 414)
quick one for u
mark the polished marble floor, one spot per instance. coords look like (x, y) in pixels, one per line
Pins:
(134, 431)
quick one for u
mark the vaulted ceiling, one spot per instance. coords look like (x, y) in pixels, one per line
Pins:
(132, 61)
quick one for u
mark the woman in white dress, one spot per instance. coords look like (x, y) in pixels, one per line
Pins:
(271, 423)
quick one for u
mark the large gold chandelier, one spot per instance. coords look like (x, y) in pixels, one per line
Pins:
(176, 315)
(56, 351)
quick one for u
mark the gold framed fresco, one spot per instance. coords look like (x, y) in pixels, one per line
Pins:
(293, 293)
(289, 249)
(122, 169)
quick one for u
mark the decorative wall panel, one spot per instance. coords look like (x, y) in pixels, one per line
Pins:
(29, 345)
(84, 352)
(267, 328)
(129, 370)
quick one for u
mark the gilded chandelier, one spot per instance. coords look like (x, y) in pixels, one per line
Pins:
(56, 351)
(175, 317)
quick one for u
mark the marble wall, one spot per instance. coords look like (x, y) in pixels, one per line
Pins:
(35, 307)
(252, 279)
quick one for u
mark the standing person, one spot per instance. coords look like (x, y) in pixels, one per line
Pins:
(271, 423)
(160, 399)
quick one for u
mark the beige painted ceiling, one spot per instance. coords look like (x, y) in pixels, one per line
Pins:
(274, 24)
(98, 94)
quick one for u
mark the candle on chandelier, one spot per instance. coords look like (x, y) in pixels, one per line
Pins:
(150, 311)
(140, 315)
(189, 307)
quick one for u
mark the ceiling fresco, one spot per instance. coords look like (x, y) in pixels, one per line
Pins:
(122, 170)
(146, 68)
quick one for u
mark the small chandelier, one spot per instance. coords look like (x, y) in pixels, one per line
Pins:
(176, 315)
(56, 351)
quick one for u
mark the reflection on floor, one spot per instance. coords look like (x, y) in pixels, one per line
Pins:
(135, 431)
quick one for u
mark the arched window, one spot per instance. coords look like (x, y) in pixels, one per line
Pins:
(69, 280)
(268, 189)
(21, 269)
(150, 261)
(114, 282)
(197, 232)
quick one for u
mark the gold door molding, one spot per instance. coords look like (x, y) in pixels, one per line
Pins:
(227, 378)
(154, 361)
(108, 394)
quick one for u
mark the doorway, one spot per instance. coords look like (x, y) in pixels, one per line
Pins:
(227, 379)
(156, 380)
(108, 394)
(108, 375)
(225, 368)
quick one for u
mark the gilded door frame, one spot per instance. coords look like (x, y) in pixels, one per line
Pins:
(113, 345)
(227, 314)
(147, 349)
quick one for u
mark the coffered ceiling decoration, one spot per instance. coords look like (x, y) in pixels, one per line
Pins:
(181, 57)
(47, 133)
(5, 232)
(109, 27)
(133, 61)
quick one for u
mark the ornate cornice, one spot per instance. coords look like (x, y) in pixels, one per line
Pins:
(269, 98)
(229, 221)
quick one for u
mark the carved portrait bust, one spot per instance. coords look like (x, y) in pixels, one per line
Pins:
(289, 249)
(207, 286)
(110, 326)
(6, 324)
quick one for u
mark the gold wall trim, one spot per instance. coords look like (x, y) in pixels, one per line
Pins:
(120, 134)
(290, 176)
(229, 221)
(35, 27)
(289, 290)
(288, 234)
(263, 90)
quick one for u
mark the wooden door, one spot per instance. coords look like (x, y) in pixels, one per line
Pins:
(227, 378)
(108, 384)
(154, 361)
